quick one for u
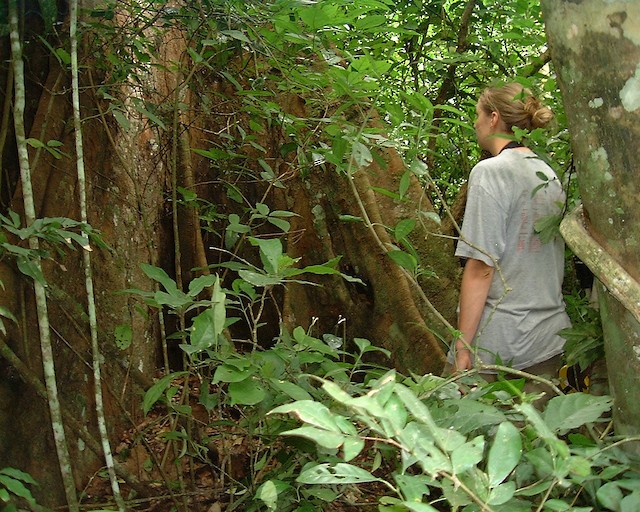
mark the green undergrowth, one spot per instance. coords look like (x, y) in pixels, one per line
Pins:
(322, 426)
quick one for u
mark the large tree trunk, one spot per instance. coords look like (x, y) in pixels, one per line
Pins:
(596, 51)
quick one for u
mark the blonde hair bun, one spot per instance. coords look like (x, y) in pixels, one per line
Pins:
(516, 105)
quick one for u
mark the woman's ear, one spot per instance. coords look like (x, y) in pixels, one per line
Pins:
(495, 119)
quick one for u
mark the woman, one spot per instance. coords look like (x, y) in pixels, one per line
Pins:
(511, 305)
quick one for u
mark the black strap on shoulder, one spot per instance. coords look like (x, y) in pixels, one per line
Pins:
(511, 145)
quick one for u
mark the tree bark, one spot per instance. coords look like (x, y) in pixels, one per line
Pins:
(596, 51)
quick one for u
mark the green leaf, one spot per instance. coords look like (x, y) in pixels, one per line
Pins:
(122, 120)
(419, 507)
(268, 493)
(325, 438)
(403, 228)
(246, 392)
(205, 330)
(339, 473)
(630, 503)
(352, 447)
(405, 181)
(151, 116)
(502, 493)
(279, 223)
(236, 34)
(159, 275)
(361, 154)
(18, 475)
(155, 392)
(548, 227)
(350, 218)
(310, 412)
(404, 259)
(259, 280)
(610, 496)
(7, 314)
(504, 454)
(227, 372)
(466, 456)
(270, 252)
(123, 335)
(17, 488)
(200, 283)
(30, 268)
(290, 389)
(567, 412)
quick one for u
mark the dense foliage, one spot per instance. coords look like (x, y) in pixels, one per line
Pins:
(417, 443)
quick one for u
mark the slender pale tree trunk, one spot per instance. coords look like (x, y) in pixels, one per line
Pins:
(596, 51)
(41, 299)
(91, 305)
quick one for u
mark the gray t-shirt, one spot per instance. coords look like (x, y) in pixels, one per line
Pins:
(524, 309)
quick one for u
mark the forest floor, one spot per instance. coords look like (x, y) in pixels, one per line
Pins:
(215, 468)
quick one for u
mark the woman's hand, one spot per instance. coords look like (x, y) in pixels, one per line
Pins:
(463, 360)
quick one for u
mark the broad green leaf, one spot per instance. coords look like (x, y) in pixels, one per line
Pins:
(259, 280)
(324, 438)
(206, 398)
(413, 487)
(555, 505)
(270, 252)
(155, 392)
(200, 283)
(319, 15)
(339, 473)
(151, 116)
(352, 447)
(405, 181)
(205, 330)
(610, 496)
(361, 154)
(176, 299)
(404, 259)
(541, 460)
(18, 475)
(246, 392)
(280, 223)
(7, 314)
(467, 455)
(17, 488)
(630, 503)
(502, 493)
(236, 34)
(290, 389)
(337, 393)
(122, 120)
(350, 218)
(313, 413)
(269, 491)
(470, 415)
(32, 269)
(159, 275)
(419, 507)
(571, 411)
(403, 228)
(227, 372)
(504, 454)
(123, 335)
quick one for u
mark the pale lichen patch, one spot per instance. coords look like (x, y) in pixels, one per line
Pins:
(596, 102)
(630, 93)
(601, 159)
